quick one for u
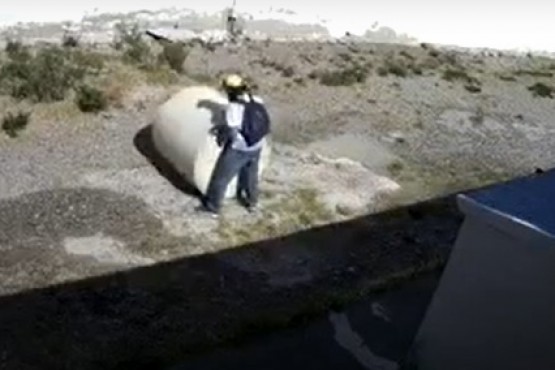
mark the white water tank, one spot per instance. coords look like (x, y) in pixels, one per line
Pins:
(181, 134)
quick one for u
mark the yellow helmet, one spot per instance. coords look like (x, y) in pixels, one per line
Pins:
(233, 81)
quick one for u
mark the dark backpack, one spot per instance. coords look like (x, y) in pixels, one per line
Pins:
(256, 121)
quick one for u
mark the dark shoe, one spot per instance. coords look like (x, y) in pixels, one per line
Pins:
(252, 208)
(241, 200)
(207, 211)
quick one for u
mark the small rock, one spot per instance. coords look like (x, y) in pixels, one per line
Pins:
(395, 137)
(344, 210)
(140, 106)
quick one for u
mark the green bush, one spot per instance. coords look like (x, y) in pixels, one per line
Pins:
(69, 41)
(396, 69)
(459, 74)
(416, 70)
(90, 61)
(407, 55)
(17, 50)
(45, 77)
(287, 71)
(299, 81)
(542, 90)
(90, 99)
(346, 57)
(473, 89)
(533, 73)
(382, 71)
(345, 77)
(12, 124)
(395, 168)
(129, 40)
(174, 54)
(506, 78)
(393, 67)
(313, 75)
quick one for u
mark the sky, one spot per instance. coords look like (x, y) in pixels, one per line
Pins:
(504, 24)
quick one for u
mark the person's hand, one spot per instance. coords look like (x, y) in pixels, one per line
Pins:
(214, 131)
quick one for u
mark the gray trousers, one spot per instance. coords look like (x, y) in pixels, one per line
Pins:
(234, 162)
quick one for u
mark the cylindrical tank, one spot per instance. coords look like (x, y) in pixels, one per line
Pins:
(181, 135)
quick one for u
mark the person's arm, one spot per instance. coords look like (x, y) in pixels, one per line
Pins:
(228, 131)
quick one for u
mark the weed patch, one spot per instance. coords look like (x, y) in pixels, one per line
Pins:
(44, 77)
(284, 70)
(395, 168)
(473, 89)
(527, 72)
(472, 84)
(456, 74)
(130, 41)
(12, 124)
(541, 90)
(299, 210)
(506, 78)
(90, 99)
(397, 68)
(69, 41)
(346, 76)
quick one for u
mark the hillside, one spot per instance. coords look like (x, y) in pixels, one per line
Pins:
(361, 129)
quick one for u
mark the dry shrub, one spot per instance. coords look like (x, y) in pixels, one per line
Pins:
(115, 93)
(12, 123)
(118, 82)
(89, 99)
(346, 76)
(44, 77)
(129, 40)
(542, 90)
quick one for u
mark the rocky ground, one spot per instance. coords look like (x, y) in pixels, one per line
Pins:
(107, 234)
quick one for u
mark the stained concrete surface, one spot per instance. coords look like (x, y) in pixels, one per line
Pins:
(374, 334)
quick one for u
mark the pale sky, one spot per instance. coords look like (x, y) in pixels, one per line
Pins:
(492, 23)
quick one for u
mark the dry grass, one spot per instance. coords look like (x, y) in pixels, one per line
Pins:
(346, 76)
(118, 81)
(533, 73)
(13, 123)
(62, 111)
(163, 76)
(300, 210)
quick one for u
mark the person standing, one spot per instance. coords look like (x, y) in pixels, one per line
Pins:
(247, 123)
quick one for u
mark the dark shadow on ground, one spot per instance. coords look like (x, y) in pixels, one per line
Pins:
(153, 317)
(386, 323)
(145, 145)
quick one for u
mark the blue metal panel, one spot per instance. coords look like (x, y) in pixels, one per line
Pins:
(530, 200)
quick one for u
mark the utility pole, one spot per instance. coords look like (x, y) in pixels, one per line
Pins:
(231, 22)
